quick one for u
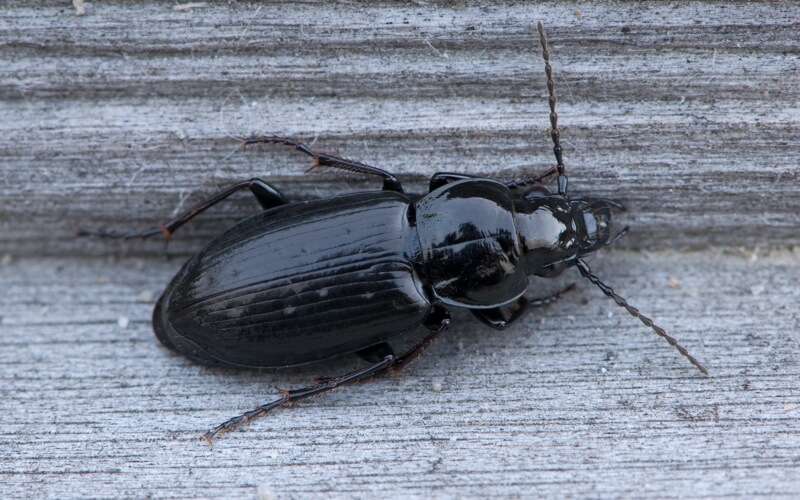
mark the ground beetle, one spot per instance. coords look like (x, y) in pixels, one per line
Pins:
(302, 282)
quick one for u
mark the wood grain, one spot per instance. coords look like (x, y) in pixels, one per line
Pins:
(686, 111)
(577, 401)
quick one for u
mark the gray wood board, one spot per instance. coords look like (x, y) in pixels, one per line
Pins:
(686, 111)
(577, 400)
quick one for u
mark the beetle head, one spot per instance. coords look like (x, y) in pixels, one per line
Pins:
(592, 218)
(554, 231)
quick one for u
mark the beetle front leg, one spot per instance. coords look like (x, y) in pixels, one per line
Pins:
(502, 317)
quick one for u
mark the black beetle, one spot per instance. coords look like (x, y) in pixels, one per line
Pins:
(302, 282)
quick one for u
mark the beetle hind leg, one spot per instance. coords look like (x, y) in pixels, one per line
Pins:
(375, 353)
(290, 396)
(438, 321)
(266, 195)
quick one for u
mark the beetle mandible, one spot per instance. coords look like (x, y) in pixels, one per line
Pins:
(302, 282)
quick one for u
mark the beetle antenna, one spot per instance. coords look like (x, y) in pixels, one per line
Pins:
(551, 90)
(586, 271)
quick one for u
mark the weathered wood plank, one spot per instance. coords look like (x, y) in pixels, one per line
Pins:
(686, 111)
(576, 401)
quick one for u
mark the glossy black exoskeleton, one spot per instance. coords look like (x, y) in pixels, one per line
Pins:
(302, 282)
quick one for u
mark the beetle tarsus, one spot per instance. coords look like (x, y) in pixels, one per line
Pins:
(114, 235)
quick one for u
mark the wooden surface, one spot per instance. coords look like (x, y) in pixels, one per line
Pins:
(686, 111)
(578, 400)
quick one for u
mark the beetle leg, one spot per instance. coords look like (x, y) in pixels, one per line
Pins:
(438, 320)
(325, 384)
(267, 196)
(527, 181)
(297, 394)
(390, 182)
(375, 353)
(501, 317)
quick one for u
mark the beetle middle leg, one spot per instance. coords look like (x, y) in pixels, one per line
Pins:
(390, 182)
(266, 195)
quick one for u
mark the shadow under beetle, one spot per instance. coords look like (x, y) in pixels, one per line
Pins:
(302, 282)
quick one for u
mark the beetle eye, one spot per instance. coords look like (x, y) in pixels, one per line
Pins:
(596, 226)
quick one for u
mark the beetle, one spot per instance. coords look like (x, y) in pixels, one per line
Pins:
(303, 282)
